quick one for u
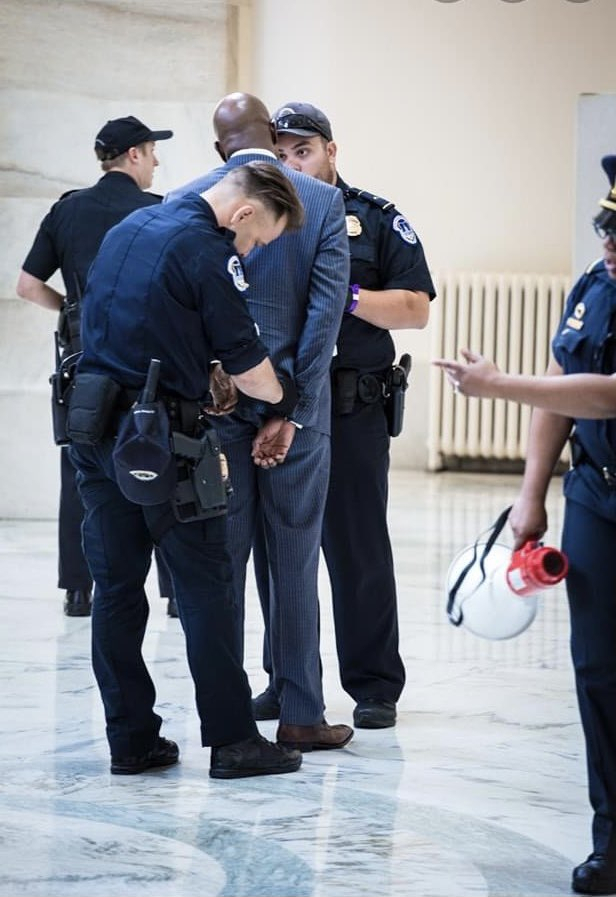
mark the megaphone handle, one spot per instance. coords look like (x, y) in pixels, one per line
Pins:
(497, 528)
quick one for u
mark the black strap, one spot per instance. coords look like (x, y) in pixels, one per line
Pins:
(497, 528)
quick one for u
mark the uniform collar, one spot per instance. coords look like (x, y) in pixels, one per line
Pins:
(253, 151)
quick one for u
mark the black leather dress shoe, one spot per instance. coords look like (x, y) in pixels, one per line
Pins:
(252, 757)
(266, 705)
(172, 608)
(164, 753)
(374, 714)
(596, 875)
(78, 603)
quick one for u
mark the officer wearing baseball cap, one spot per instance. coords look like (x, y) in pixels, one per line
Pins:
(119, 134)
(390, 288)
(68, 239)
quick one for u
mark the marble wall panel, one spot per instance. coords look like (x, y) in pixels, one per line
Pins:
(66, 67)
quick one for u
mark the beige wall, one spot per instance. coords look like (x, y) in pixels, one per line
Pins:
(462, 113)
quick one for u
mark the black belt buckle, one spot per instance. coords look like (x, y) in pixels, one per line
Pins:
(609, 476)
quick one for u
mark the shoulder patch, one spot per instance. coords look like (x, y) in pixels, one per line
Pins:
(404, 229)
(354, 192)
(235, 269)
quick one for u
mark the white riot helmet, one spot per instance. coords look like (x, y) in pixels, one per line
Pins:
(492, 591)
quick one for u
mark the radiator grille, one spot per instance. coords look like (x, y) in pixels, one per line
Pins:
(507, 317)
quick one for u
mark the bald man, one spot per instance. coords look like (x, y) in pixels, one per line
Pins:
(280, 469)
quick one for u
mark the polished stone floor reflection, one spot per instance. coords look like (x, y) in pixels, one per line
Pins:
(479, 790)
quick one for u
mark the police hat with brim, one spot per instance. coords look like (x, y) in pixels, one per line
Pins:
(144, 464)
(302, 119)
(605, 220)
(119, 134)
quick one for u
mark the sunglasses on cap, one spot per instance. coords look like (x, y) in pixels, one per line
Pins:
(295, 120)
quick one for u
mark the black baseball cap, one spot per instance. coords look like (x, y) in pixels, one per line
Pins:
(303, 119)
(144, 464)
(119, 134)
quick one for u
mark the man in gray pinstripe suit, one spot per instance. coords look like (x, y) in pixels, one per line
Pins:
(280, 469)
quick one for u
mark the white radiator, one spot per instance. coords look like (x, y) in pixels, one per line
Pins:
(510, 318)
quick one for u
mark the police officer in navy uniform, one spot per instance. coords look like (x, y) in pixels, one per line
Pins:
(168, 284)
(577, 400)
(390, 288)
(68, 238)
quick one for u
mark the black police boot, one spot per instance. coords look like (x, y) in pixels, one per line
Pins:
(374, 714)
(596, 875)
(252, 757)
(78, 603)
(164, 753)
(172, 608)
(266, 705)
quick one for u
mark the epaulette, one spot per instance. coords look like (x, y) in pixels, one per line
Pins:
(384, 204)
(68, 193)
(594, 267)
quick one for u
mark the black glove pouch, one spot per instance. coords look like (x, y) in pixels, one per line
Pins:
(92, 401)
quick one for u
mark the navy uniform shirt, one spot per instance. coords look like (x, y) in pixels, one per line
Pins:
(385, 255)
(72, 231)
(167, 283)
(585, 343)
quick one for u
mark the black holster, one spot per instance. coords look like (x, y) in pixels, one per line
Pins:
(69, 325)
(395, 389)
(61, 384)
(202, 486)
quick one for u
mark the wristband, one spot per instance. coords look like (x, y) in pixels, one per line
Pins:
(352, 299)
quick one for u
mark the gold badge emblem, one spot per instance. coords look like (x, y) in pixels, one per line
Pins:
(579, 311)
(353, 226)
(574, 323)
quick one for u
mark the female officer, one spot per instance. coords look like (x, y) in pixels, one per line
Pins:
(584, 401)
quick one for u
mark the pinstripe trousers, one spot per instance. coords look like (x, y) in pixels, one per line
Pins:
(291, 500)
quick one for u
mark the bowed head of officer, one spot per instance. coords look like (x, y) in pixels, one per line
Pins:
(168, 284)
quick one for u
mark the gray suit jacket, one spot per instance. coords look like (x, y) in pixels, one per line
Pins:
(298, 287)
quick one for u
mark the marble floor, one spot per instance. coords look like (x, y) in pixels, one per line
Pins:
(479, 790)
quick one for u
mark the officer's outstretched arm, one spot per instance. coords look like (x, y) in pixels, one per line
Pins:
(546, 439)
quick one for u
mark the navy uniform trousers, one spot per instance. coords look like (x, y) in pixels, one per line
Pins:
(589, 542)
(118, 545)
(73, 570)
(359, 558)
(290, 500)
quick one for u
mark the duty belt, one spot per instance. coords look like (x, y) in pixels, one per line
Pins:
(579, 455)
(183, 414)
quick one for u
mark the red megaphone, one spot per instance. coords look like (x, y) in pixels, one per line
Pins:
(535, 566)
